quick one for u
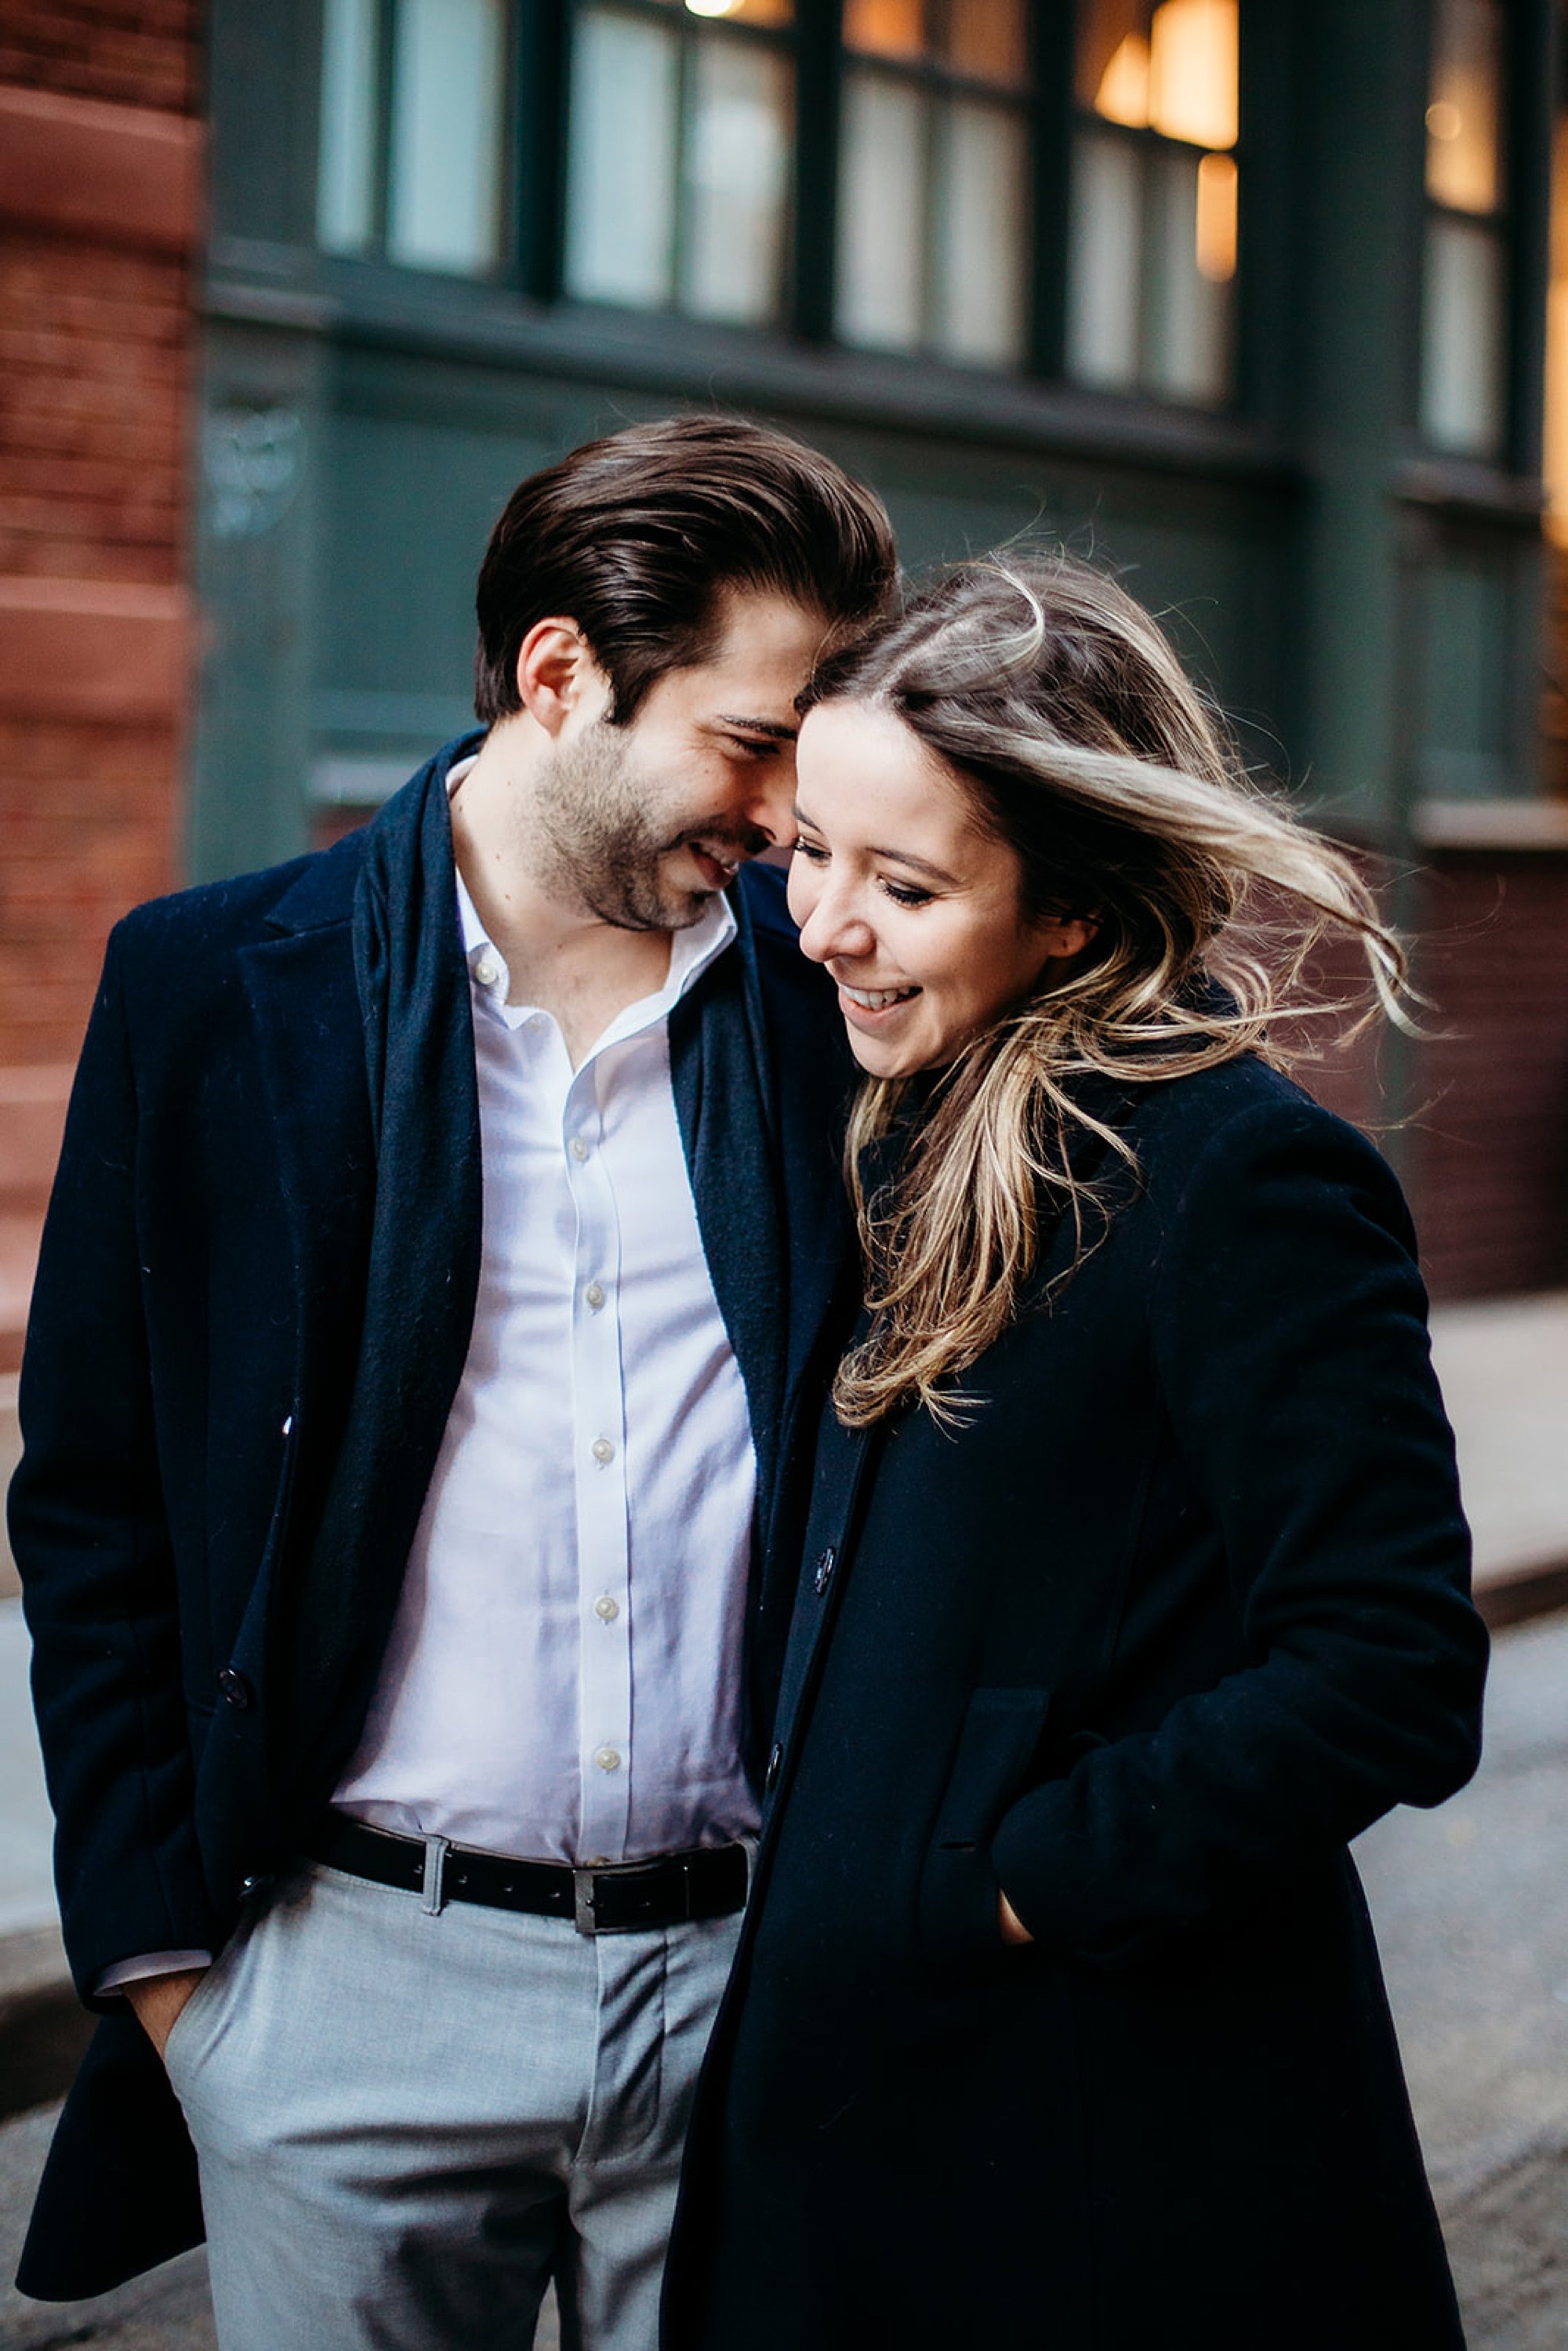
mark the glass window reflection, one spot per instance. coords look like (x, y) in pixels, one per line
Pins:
(1464, 317)
(1156, 198)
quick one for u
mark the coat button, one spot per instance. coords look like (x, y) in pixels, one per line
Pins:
(825, 1567)
(774, 1762)
(238, 1691)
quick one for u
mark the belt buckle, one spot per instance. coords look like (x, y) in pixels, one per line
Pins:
(582, 1901)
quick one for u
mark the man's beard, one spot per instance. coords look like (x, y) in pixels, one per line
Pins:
(599, 843)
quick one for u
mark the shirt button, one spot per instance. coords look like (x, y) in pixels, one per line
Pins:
(606, 1608)
(594, 1294)
(603, 1450)
(770, 1777)
(486, 972)
(825, 1566)
(608, 1759)
(579, 1148)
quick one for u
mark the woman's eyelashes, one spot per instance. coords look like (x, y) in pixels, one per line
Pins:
(902, 894)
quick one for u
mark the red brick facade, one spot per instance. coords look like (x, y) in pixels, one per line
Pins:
(1489, 1147)
(99, 162)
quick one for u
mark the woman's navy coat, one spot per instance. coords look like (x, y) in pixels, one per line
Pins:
(1178, 1614)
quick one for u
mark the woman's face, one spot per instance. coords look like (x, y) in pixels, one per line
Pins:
(914, 910)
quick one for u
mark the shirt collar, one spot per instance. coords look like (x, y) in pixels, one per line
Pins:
(691, 952)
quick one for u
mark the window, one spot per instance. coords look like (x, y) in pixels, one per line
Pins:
(678, 174)
(1465, 301)
(1152, 256)
(413, 122)
(663, 160)
(934, 179)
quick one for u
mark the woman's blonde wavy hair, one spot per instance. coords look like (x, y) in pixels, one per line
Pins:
(1061, 709)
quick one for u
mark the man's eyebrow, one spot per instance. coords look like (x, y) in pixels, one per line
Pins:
(770, 726)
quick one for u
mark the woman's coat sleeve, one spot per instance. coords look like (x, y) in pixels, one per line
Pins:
(1287, 1325)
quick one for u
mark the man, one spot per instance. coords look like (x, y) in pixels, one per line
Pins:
(442, 1224)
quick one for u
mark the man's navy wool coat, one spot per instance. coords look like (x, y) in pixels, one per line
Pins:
(185, 1397)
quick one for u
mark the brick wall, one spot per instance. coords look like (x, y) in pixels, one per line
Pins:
(1488, 1151)
(140, 53)
(99, 190)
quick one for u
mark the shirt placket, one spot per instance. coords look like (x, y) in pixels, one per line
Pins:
(604, 1612)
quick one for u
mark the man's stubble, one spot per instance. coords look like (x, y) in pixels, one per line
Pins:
(602, 826)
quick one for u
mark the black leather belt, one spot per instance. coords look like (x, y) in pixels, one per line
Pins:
(708, 1883)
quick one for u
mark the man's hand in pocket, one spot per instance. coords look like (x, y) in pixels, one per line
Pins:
(158, 2000)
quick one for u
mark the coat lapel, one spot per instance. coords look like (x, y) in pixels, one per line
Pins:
(722, 1092)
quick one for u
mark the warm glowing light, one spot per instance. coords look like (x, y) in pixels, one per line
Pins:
(1461, 149)
(885, 29)
(1193, 71)
(1464, 95)
(1217, 218)
(1556, 453)
(746, 12)
(1124, 92)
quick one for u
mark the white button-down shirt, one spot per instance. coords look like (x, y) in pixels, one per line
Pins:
(563, 1677)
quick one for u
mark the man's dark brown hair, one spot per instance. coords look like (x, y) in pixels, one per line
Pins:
(636, 538)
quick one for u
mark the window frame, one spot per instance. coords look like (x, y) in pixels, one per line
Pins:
(1500, 224)
(535, 191)
(510, 207)
(1148, 144)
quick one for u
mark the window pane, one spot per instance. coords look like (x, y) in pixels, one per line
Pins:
(980, 233)
(1104, 263)
(620, 177)
(885, 29)
(881, 214)
(448, 101)
(986, 38)
(738, 148)
(1462, 117)
(1462, 340)
(345, 194)
(1188, 315)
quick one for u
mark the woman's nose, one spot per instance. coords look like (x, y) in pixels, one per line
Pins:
(834, 927)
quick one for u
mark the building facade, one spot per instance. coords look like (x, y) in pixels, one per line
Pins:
(100, 154)
(1249, 297)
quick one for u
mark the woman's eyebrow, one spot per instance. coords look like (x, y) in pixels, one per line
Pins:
(916, 864)
(894, 856)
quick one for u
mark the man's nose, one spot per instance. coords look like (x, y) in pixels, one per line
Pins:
(770, 803)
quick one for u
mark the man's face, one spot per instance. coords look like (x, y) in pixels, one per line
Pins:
(644, 823)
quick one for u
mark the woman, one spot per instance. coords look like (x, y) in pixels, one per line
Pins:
(1136, 1574)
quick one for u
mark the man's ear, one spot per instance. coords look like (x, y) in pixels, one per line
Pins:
(557, 675)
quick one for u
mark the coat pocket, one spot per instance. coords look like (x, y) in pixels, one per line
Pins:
(993, 1764)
